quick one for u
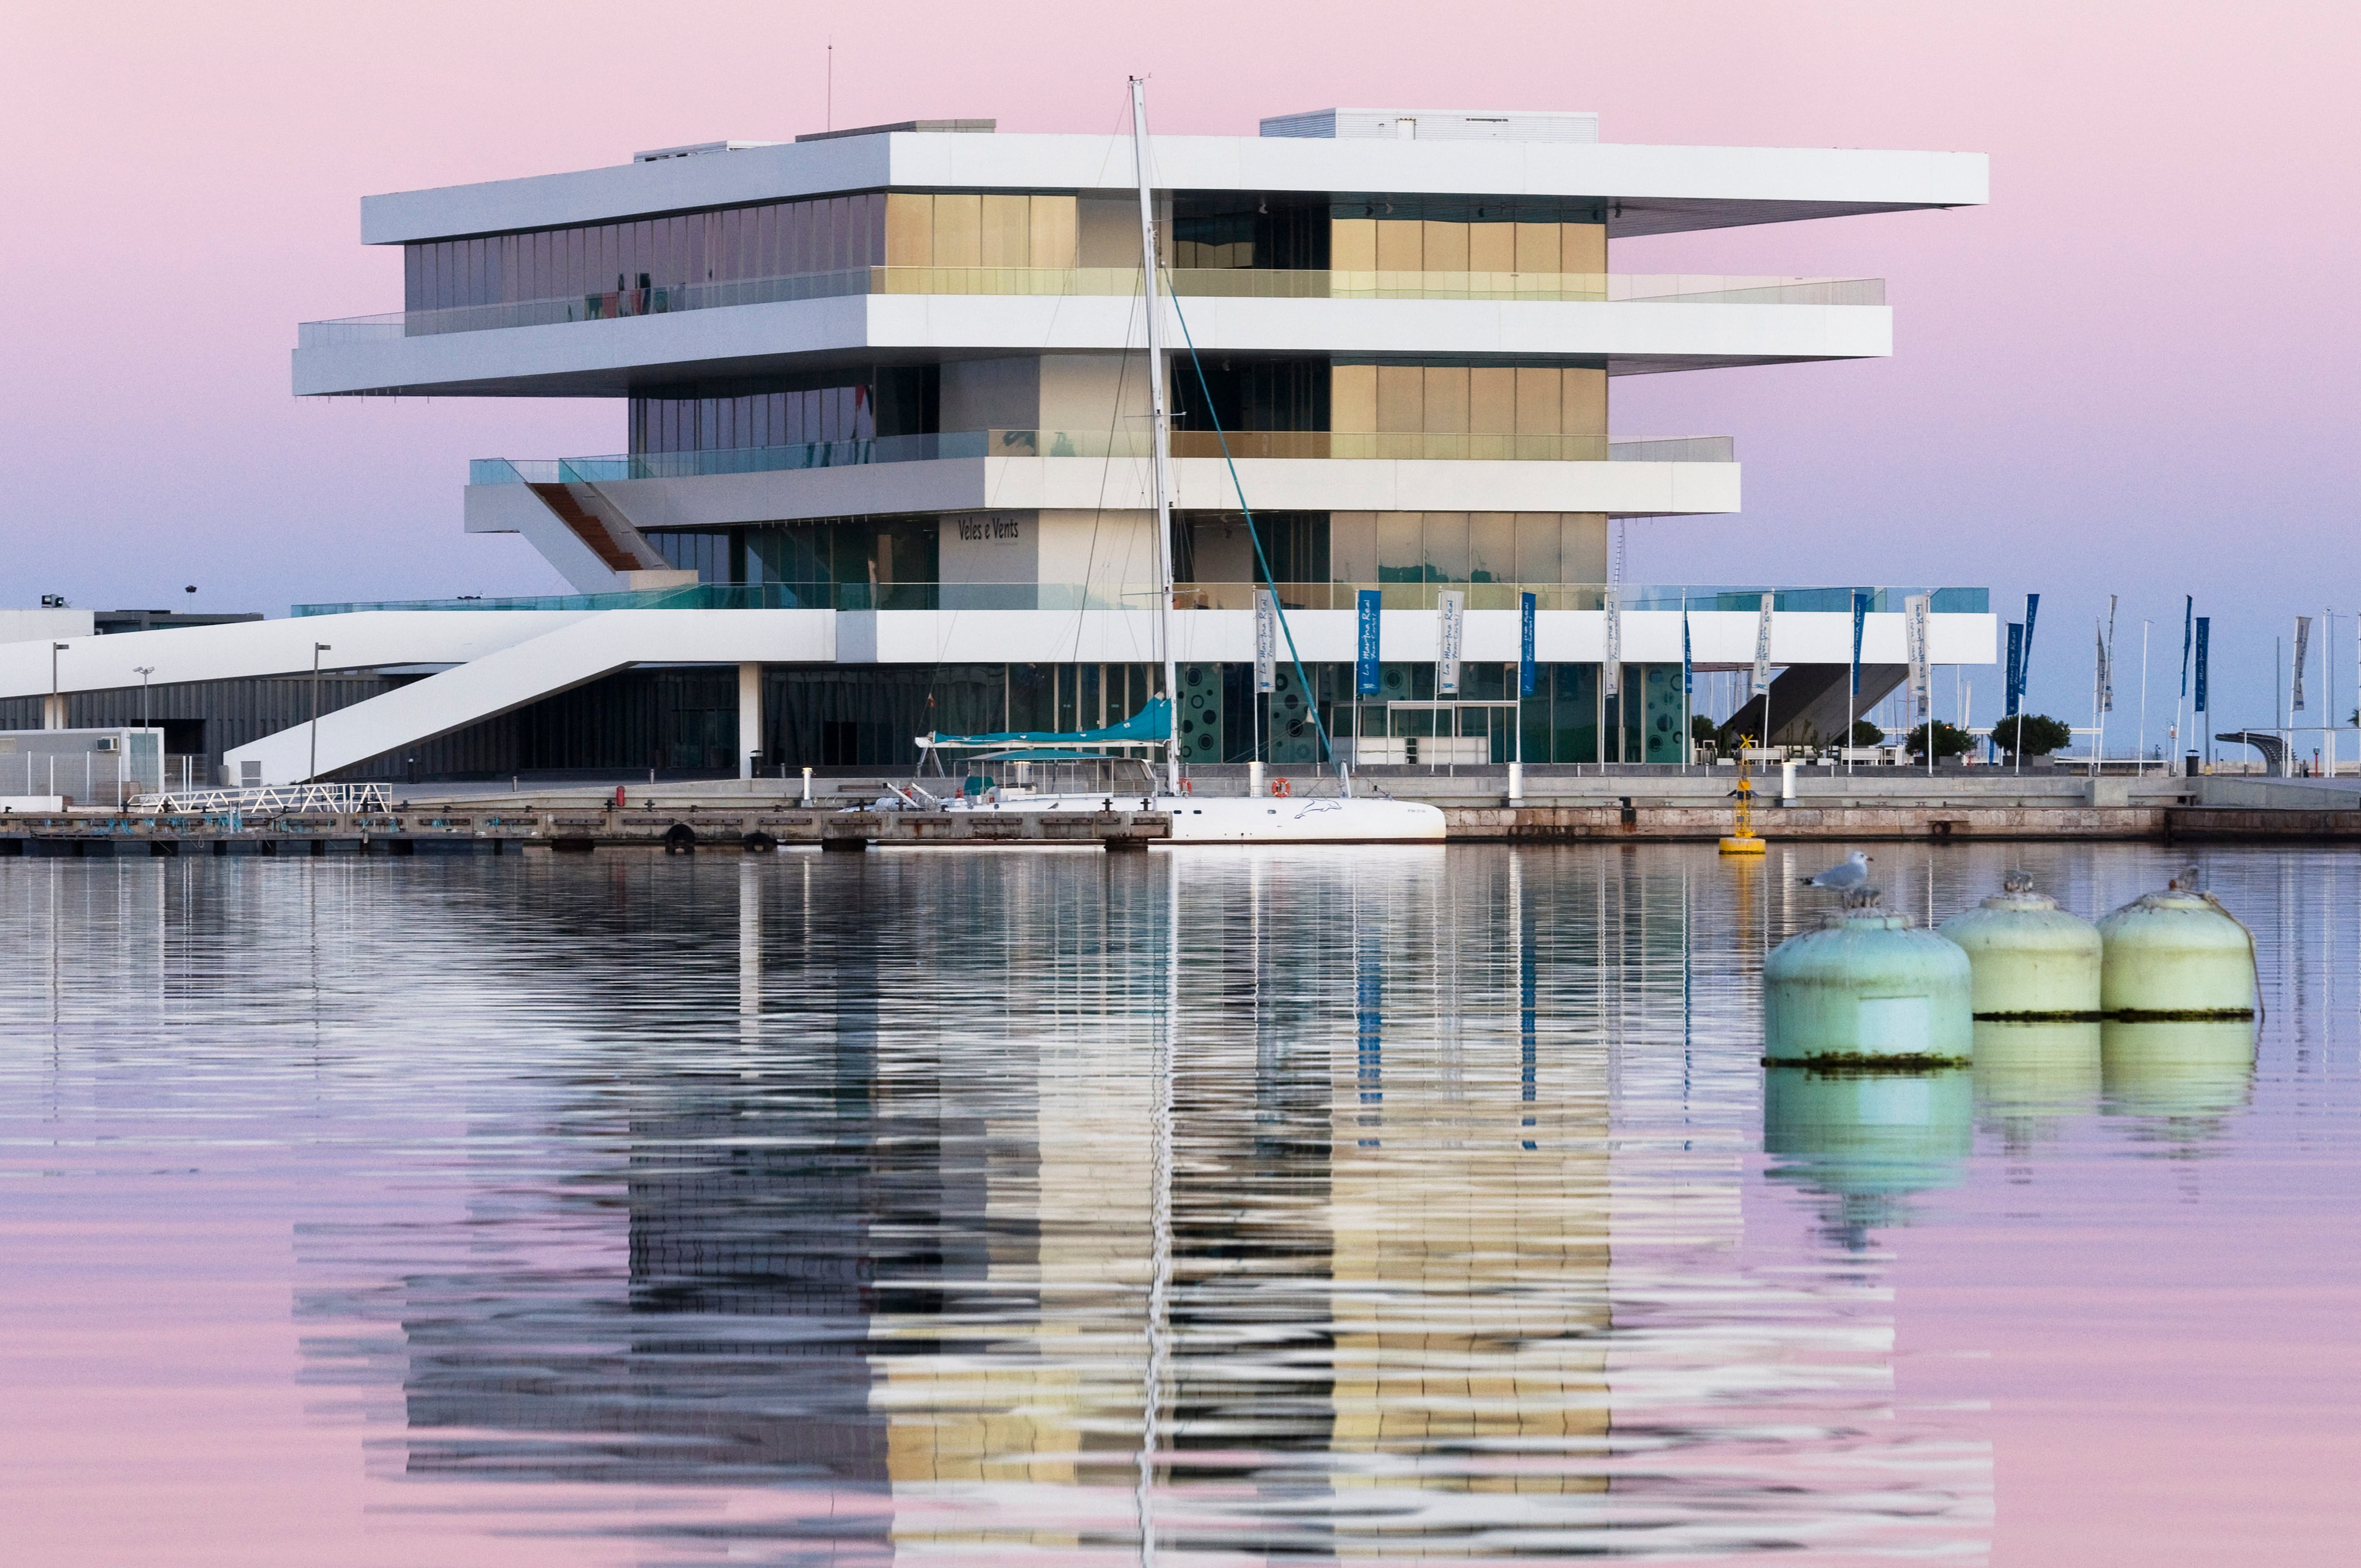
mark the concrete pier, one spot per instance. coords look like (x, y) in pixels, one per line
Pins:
(1560, 805)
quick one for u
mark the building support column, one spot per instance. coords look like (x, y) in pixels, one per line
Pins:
(53, 711)
(749, 719)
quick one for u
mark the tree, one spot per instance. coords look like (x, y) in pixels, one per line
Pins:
(2043, 734)
(1950, 740)
(1864, 734)
(1702, 730)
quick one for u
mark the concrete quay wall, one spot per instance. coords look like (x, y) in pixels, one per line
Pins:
(1684, 824)
(525, 826)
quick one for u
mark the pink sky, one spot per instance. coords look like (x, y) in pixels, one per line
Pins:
(2135, 372)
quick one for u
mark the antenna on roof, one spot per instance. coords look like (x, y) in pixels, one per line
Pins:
(831, 83)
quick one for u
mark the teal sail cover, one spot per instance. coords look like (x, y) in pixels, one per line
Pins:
(1152, 724)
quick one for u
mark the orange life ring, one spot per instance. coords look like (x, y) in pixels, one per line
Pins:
(1184, 787)
(1281, 788)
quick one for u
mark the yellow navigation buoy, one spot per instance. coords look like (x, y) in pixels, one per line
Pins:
(1742, 841)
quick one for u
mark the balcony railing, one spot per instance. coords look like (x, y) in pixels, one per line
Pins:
(1101, 444)
(1242, 283)
(1412, 596)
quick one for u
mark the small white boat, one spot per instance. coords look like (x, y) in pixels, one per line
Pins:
(1250, 819)
(1128, 785)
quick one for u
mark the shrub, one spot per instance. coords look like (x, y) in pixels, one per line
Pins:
(2043, 734)
(1950, 740)
(1864, 734)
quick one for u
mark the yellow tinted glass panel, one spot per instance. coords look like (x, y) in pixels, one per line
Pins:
(1491, 248)
(959, 230)
(909, 230)
(1353, 245)
(1539, 558)
(1447, 399)
(1401, 245)
(1492, 547)
(1537, 400)
(1582, 248)
(1583, 409)
(1353, 398)
(1353, 546)
(1492, 400)
(1401, 398)
(1007, 238)
(1446, 247)
(1536, 248)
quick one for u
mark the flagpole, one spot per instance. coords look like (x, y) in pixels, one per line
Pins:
(2141, 760)
(2187, 626)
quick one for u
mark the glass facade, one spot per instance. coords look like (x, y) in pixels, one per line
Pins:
(1250, 394)
(974, 228)
(1214, 547)
(856, 404)
(1225, 229)
(1220, 713)
(1467, 234)
(1485, 399)
(774, 240)
(1466, 547)
(897, 560)
(623, 265)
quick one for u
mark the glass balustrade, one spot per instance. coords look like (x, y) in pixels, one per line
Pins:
(1238, 283)
(1247, 444)
(1110, 596)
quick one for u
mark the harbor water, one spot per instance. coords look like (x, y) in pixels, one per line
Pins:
(1206, 1206)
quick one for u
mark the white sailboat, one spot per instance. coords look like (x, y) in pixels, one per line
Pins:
(1127, 782)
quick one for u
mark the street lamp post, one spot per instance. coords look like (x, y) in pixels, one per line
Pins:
(314, 772)
(143, 671)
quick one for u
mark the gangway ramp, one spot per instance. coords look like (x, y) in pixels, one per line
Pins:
(581, 650)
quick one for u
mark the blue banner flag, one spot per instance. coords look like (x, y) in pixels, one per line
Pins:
(2188, 629)
(1688, 666)
(1366, 679)
(1526, 645)
(2025, 664)
(1860, 614)
(2204, 636)
(2015, 666)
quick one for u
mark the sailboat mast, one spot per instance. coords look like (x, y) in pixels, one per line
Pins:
(1159, 429)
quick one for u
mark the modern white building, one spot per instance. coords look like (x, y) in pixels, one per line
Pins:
(884, 464)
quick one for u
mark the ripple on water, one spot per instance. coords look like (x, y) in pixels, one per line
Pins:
(1356, 1205)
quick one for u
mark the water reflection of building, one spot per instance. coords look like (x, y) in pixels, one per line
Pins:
(1471, 1245)
(731, 1346)
(871, 1221)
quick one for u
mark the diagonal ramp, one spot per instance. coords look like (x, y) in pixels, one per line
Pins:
(528, 671)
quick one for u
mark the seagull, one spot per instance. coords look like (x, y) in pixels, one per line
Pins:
(1852, 874)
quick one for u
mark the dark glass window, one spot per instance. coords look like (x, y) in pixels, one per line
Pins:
(773, 239)
(1448, 209)
(1250, 394)
(1295, 543)
(788, 409)
(1249, 229)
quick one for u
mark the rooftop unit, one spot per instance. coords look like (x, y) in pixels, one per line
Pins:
(927, 127)
(1436, 125)
(695, 149)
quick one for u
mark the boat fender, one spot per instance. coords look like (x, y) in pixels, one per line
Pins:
(1281, 788)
